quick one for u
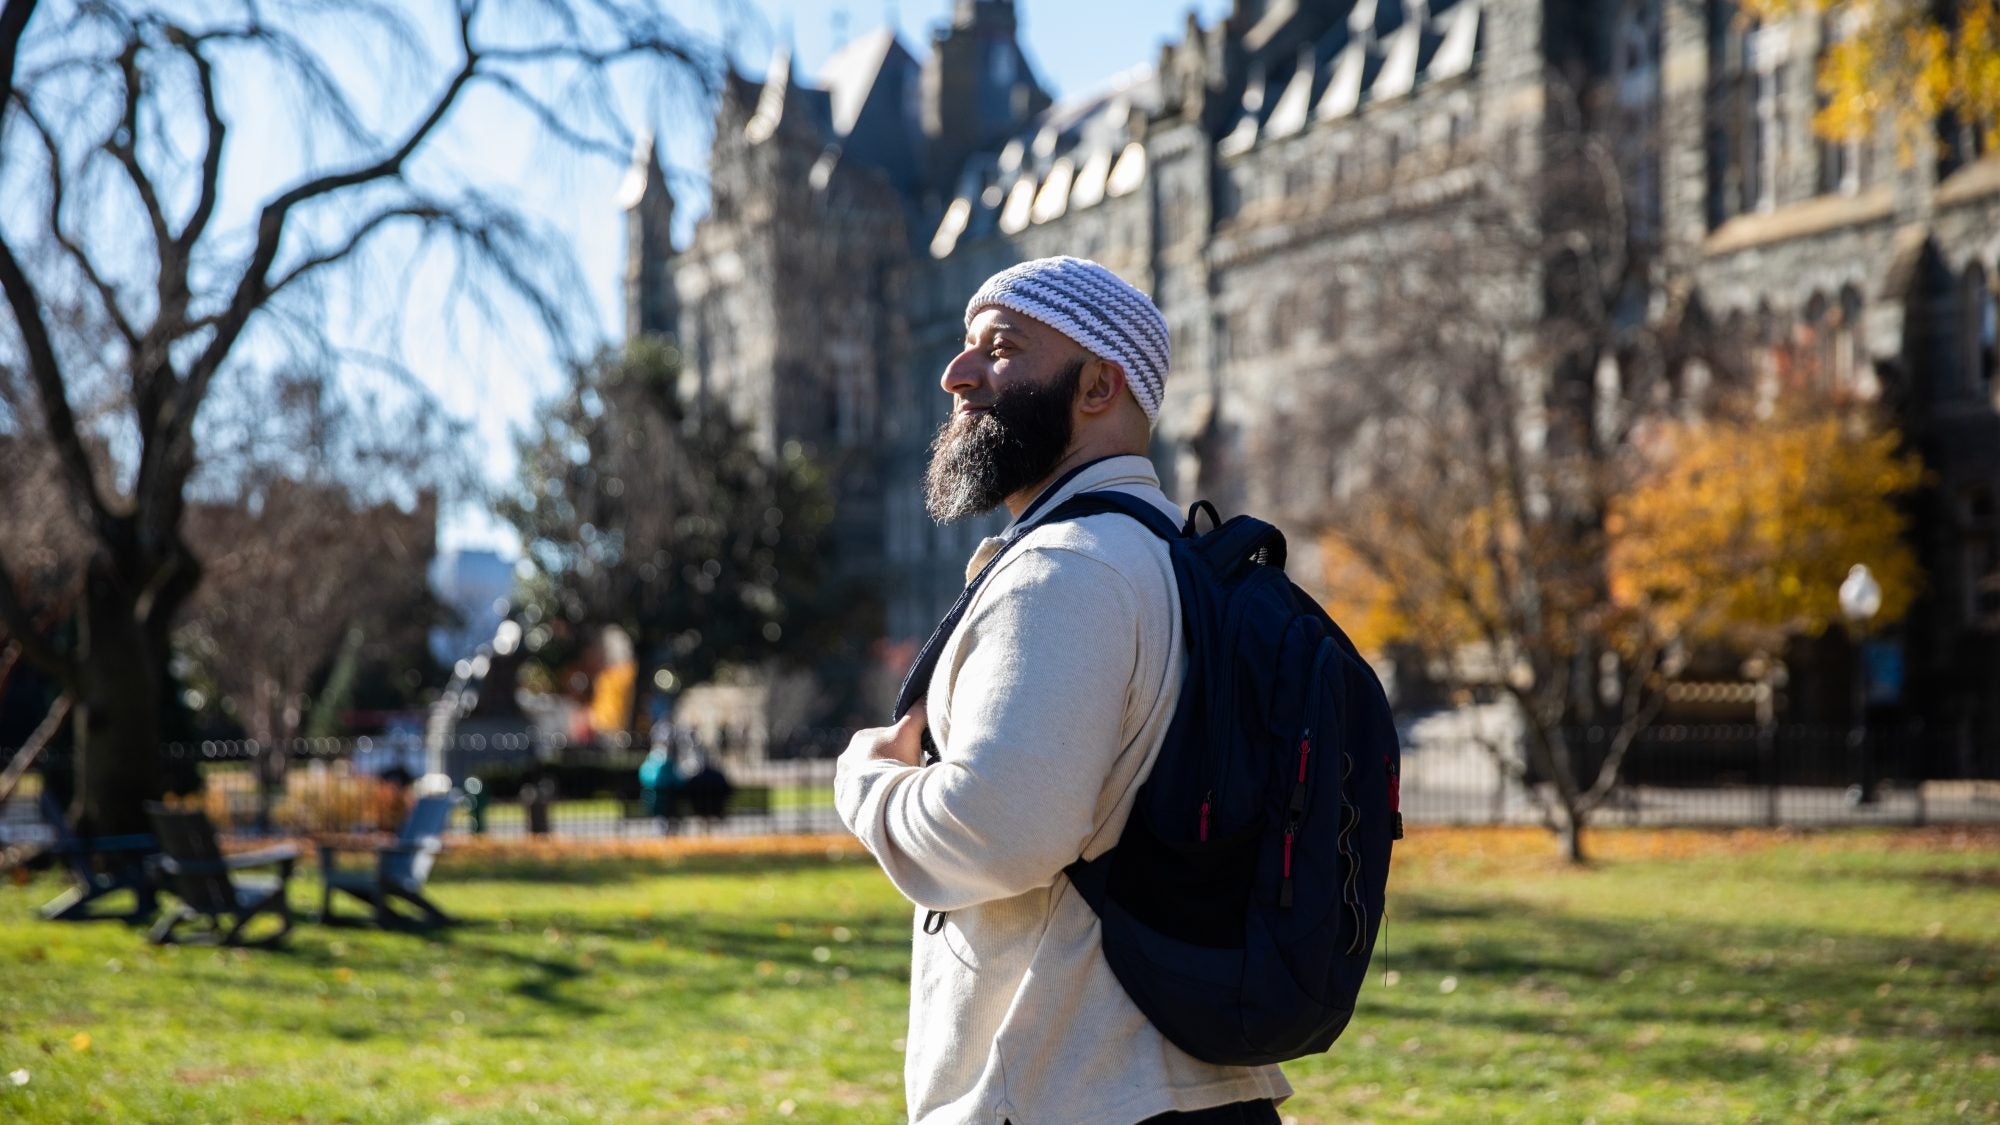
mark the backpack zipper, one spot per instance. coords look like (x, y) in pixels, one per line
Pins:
(1295, 816)
(1296, 813)
(1207, 803)
(1395, 774)
(1285, 886)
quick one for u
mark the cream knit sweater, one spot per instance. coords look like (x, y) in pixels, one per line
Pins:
(1048, 706)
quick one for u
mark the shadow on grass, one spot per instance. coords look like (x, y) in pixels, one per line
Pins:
(1704, 988)
(876, 950)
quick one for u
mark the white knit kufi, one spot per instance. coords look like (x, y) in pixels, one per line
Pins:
(1095, 307)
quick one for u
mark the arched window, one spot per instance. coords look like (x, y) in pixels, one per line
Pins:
(1852, 370)
(1815, 363)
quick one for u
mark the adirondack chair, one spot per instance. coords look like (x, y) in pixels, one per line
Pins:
(100, 866)
(209, 886)
(400, 871)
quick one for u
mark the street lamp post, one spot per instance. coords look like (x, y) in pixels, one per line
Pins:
(1860, 601)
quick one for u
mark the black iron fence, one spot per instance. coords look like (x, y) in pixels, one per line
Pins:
(514, 784)
(1713, 774)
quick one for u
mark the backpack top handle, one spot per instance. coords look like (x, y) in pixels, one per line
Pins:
(1192, 528)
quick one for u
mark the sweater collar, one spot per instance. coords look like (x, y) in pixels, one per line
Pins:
(1122, 470)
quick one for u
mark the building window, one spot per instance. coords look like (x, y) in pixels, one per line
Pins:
(1734, 155)
(1719, 209)
(1839, 166)
(1637, 80)
(1767, 139)
(1850, 354)
(1839, 158)
(1982, 331)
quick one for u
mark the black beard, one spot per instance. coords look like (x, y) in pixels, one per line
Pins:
(980, 459)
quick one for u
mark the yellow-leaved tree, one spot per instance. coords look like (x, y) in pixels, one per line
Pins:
(1735, 529)
(1906, 63)
(1742, 529)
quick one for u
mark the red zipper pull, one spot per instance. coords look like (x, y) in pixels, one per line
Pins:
(1305, 748)
(1285, 886)
(1206, 798)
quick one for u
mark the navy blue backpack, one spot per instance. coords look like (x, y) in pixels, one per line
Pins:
(1241, 903)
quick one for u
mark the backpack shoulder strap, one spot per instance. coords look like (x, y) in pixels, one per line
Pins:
(1076, 507)
(1098, 503)
(918, 679)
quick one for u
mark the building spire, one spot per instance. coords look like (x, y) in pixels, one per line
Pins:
(651, 305)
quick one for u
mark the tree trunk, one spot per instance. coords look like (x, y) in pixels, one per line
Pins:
(1549, 745)
(1569, 835)
(117, 720)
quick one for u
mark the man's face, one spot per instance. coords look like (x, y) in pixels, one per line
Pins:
(1013, 386)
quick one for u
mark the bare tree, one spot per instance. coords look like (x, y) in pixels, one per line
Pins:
(314, 520)
(131, 282)
(1522, 340)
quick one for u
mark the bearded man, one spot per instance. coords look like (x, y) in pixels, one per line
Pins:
(1049, 702)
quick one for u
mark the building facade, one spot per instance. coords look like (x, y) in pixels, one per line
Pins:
(1257, 178)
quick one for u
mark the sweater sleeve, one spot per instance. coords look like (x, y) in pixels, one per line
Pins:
(1038, 702)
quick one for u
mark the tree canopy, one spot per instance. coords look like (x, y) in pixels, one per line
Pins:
(641, 509)
(1743, 528)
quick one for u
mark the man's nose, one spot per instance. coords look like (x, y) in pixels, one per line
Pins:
(963, 373)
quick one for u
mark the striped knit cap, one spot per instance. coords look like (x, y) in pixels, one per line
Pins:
(1096, 308)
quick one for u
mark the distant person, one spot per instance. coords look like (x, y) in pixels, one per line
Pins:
(708, 791)
(1047, 709)
(660, 786)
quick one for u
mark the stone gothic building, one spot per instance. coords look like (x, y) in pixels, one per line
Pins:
(1250, 178)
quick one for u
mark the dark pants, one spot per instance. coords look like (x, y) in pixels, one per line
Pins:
(1236, 1113)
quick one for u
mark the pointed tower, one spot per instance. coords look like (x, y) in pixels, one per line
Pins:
(978, 88)
(651, 306)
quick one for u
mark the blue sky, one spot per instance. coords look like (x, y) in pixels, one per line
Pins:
(1074, 46)
(398, 300)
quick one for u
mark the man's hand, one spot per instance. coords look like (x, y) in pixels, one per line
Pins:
(900, 743)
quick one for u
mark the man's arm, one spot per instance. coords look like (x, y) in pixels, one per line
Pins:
(1037, 713)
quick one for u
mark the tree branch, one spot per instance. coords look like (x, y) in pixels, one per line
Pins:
(46, 372)
(211, 162)
(57, 194)
(252, 288)
(123, 145)
(13, 23)
(423, 212)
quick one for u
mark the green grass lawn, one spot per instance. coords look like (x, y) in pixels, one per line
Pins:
(1839, 978)
(608, 810)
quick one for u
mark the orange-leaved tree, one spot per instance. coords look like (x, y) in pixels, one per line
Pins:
(1742, 528)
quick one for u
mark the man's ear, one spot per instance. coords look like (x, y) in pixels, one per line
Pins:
(1100, 386)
